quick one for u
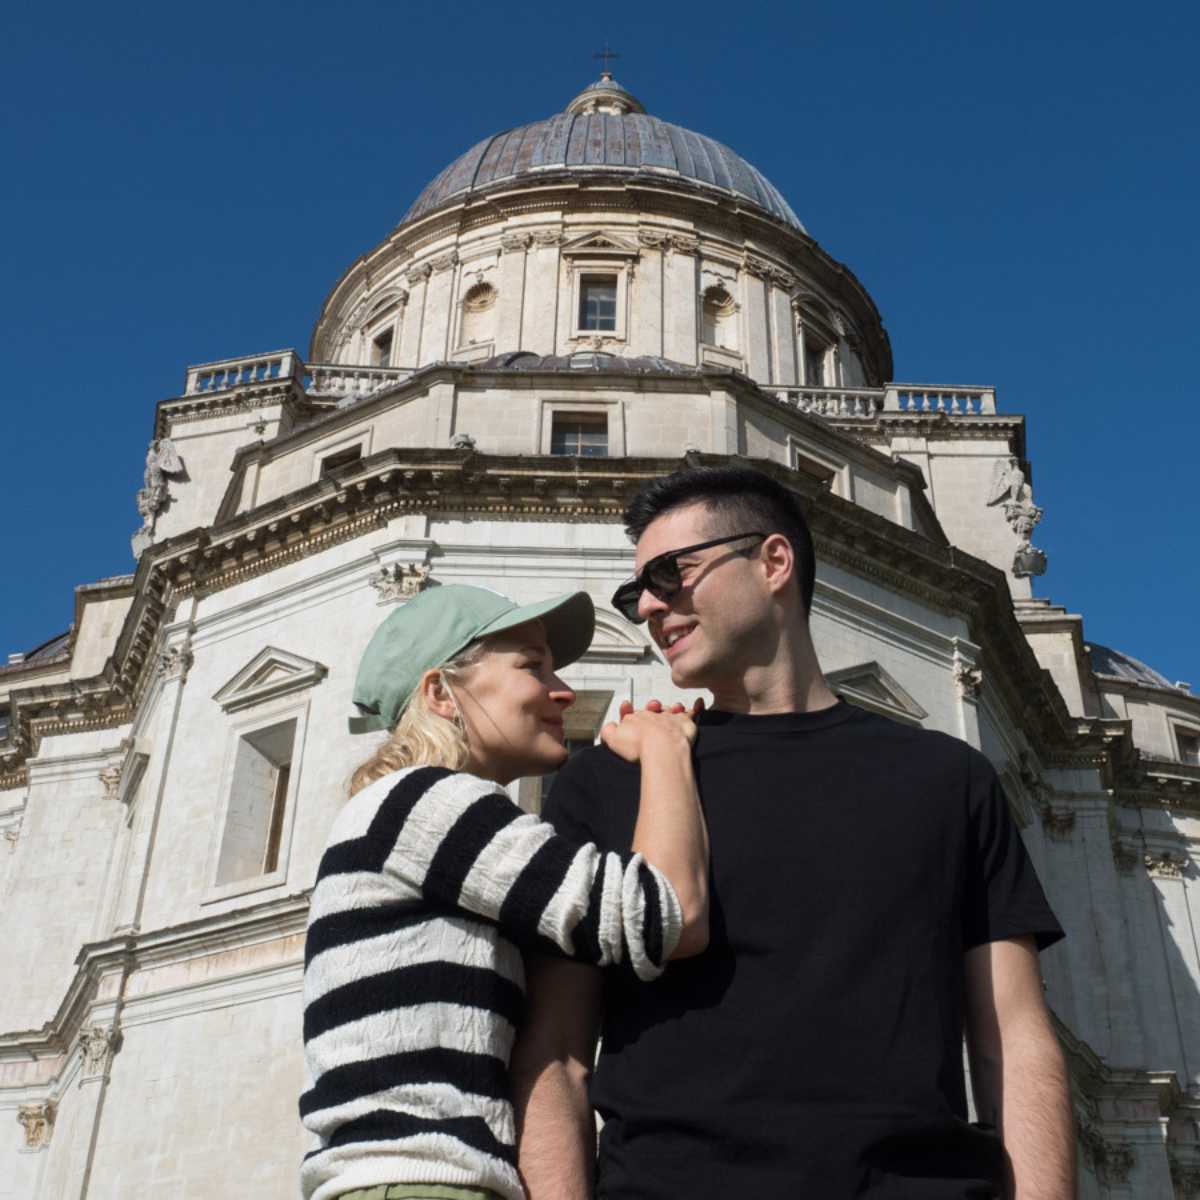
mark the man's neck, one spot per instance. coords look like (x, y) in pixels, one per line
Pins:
(792, 682)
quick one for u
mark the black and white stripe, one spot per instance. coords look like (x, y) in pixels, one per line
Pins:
(413, 983)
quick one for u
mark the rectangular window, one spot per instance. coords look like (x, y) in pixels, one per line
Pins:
(814, 365)
(381, 349)
(343, 458)
(579, 433)
(257, 802)
(598, 302)
(1189, 746)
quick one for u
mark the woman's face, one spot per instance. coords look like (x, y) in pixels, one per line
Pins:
(512, 704)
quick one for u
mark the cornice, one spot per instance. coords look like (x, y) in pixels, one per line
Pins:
(374, 491)
(124, 956)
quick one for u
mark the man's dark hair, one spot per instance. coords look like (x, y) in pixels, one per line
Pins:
(736, 499)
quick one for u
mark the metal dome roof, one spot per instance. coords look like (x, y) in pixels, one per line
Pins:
(603, 130)
(1107, 661)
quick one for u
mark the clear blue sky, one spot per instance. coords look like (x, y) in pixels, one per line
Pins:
(1015, 183)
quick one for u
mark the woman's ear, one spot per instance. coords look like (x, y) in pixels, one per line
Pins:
(436, 694)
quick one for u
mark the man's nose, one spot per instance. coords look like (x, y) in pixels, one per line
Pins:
(649, 604)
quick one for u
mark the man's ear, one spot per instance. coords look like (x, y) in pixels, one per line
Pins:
(436, 694)
(779, 562)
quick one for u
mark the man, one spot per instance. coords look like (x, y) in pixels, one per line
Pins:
(871, 900)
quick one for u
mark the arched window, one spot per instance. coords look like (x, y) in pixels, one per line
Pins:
(719, 318)
(478, 315)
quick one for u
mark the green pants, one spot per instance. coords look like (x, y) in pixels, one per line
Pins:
(417, 1191)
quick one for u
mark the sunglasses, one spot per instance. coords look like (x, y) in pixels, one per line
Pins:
(662, 577)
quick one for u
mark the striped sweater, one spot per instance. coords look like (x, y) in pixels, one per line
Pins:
(414, 983)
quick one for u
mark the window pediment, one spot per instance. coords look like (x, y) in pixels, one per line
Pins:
(871, 687)
(600, 245)
(269, 674)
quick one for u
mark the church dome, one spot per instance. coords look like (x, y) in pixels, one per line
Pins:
(604, 130)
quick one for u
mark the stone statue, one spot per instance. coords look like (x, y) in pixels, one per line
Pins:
(162, 459)
(1008, 482)
(462, 441)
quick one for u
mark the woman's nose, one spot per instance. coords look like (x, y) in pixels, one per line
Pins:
(561, 693)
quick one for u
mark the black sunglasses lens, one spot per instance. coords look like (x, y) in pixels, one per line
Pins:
(625, 601)
(662, 576)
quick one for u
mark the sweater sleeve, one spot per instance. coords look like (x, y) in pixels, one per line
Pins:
(461, 842)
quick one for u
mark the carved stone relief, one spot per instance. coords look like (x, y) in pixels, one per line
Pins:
(38, 1122)
(1057, 822)
(968, 679)
(97, 1045)
(1165, 864)
(400, 582)
(110, 777)
(174, 662)
(1110, 1161)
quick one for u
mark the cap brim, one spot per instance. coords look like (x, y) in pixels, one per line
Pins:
(569, 621)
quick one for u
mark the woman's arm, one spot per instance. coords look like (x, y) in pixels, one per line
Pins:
(460, 843)
(670, 833)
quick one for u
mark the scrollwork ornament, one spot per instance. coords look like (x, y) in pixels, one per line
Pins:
(513, 242)
(1059, 823)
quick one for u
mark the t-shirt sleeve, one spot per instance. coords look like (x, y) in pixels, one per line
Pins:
(1004, 898)
(574, 808)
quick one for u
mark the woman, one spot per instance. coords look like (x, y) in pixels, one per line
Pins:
(433, 878)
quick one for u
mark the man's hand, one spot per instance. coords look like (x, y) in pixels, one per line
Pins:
(1017, 1070)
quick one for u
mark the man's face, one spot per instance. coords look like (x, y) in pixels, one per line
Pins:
(709, 629)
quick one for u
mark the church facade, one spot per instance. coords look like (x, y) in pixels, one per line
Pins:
(567, 310)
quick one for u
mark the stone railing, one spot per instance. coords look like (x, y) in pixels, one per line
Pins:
(896, 397)
(954, 401)
(832, 402)
(322, 380)
(232, 373)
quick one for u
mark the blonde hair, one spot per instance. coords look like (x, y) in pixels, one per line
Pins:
(422, 736)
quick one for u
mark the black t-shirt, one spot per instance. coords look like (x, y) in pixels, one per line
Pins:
(815, 1048)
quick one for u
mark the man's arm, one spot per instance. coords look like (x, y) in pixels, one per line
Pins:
(1018, 1073)
(551, 1065)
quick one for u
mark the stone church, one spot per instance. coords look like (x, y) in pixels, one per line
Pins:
(568, 309)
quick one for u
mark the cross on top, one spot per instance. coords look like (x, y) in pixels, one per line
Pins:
(606, 54)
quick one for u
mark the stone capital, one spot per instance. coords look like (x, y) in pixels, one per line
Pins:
(38, 1122)
(400, 582)
(174, 662)
(97, 1045)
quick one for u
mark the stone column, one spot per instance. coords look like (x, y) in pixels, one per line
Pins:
(681, 340)
(414, 317)
(753, 280)
(514, 248)
(173, 663)
(783, 331)
(435, 330)
(542, 316)
(645, 316)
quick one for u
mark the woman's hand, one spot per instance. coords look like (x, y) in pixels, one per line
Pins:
(651, 729)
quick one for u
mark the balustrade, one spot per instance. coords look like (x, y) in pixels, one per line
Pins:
(241, 372)
(832, 402)
(325, 379)
(954, 401)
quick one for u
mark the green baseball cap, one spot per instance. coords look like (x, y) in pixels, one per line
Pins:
(437, 624)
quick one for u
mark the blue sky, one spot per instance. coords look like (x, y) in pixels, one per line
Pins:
(1016, 185)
